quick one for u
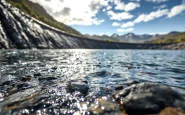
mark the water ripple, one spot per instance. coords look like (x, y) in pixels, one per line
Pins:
(50, 70)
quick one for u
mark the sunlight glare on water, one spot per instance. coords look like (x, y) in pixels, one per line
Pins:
(51, 70)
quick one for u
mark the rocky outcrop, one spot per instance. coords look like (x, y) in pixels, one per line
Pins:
(175, 46)
(18, 30)
(145, 98)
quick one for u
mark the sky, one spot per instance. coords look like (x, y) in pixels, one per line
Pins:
(118, 16)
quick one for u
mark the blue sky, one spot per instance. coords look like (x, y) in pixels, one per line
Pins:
(118, 16)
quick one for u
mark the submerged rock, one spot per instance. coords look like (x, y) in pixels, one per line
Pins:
(27, 78)
(103, 106)
(78, 85)
(148, 98)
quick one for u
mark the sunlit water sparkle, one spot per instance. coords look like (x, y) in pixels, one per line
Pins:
(103, 69)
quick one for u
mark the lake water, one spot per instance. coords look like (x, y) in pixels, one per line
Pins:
(103, 69)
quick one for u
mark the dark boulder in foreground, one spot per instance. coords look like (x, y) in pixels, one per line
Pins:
(147, 98)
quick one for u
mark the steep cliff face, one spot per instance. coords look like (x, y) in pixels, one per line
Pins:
(18, 30)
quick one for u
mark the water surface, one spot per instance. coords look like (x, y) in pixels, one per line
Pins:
(103, 69)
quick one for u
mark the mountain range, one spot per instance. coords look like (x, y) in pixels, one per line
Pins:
(38, 12)
(21, 31)
(170, 38)
(131, 37)
(30, 26)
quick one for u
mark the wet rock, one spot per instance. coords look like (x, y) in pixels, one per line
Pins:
(99, 74)
(148, 98)
(78, 85)
(103, 91)
(26, 78)
(21, 86)
(1, 97)
(20, 96)
(12, 91)
(48, 78)
(103, 106)
(130, 67)
(132, 82)
(6, 79)
(171, 111)
(119, 88)
(37, 74)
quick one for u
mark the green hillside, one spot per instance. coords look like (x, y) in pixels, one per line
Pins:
(170, 39)
(38, 12)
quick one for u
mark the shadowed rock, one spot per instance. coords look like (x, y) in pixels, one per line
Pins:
(146, 98)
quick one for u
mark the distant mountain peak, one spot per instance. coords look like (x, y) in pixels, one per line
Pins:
(173, 32)
(114, 35)
(132, 37)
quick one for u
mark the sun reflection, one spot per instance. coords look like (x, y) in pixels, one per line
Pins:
(46, 91)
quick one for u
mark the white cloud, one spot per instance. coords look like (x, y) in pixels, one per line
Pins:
(155, 14)
(131, 6)
(129, 30)
(120, 6)
(151, 16)
(74, 12)
(160, 7)
(128, 24)
(135, 0)
(97, 22)
(157, 1)
(176, 10)
(104, 10)
(115, 24)
(126, 7)
(146, 18)
(109, 7)
(125, 30)
(115, 1)
(120, 30)
(119, 16)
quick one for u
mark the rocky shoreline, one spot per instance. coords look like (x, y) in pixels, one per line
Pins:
(175, 46)
(18, 30)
